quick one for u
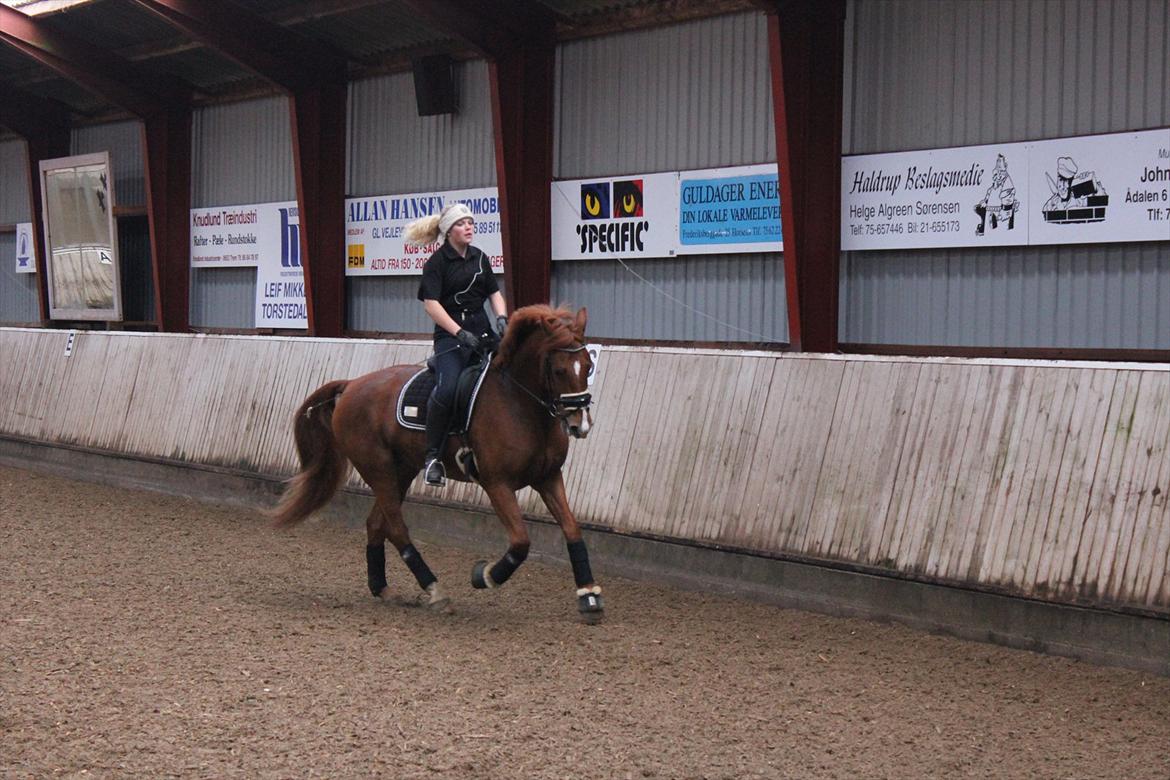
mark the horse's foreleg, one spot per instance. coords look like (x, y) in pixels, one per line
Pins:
(508, 510)
(589, 602)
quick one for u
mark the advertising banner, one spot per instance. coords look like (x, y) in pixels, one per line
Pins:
(280, 279)
(235, 236)
(1090, 189)
(969, 196)
(729, 210)
(1100, 189)
(26, 260)
(622, 216)
(374, 228)
(264, 235)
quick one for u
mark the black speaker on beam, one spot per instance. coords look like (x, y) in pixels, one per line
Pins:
(435, 88)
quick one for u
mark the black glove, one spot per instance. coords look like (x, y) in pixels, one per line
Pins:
(502, 324)
(467, 339)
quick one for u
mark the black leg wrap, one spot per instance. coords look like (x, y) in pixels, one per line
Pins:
(418, 567)
(376, 568)
(579, 557)
(507, 565)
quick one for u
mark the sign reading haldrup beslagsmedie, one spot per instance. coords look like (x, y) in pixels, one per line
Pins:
(1089, 189)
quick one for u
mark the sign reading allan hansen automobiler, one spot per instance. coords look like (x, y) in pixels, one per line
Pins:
(1090, 189)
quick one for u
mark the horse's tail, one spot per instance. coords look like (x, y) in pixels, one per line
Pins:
(322, 466)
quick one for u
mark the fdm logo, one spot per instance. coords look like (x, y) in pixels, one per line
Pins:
(356, 256)
(290, 238)
(612, 218)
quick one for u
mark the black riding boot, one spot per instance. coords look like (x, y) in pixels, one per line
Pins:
(438, 423)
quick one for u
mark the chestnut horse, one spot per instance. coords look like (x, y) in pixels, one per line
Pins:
(532, 399)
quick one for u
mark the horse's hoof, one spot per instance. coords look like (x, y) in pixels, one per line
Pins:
(479, 575)
(590, 606)
(435, 600)
(383, 594)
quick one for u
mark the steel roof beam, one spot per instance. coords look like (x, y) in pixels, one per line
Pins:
(138, 90)
(284, 57)
(315, 77)
(806, 44)
(494, 29)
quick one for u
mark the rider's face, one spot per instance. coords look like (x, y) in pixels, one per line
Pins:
(462, 231)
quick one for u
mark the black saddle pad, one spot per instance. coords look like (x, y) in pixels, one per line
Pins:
(411, 408)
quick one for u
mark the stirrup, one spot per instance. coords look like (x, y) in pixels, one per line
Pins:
(434, 474)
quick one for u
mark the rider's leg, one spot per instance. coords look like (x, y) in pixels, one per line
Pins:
(448, 365)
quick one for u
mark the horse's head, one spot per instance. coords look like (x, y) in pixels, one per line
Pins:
(552, 341)
(568, 380)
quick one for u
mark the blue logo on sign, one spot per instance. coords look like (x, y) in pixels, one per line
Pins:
(290, 240)
(22, 256)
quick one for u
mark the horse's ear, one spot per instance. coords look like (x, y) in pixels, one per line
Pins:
(579, 323)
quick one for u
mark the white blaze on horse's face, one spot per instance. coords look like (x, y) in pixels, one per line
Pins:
(570, 377)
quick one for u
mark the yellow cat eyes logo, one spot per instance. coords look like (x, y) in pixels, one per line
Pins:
(592, 204)
(595, 200)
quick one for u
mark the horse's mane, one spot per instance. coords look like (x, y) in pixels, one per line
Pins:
(557, 325)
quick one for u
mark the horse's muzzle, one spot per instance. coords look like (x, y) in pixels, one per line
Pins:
(579, 423)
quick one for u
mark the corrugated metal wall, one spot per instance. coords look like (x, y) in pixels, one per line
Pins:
(686, 96)
(393, 150)
(241, 153)
(18, 292)
(14, 204)
(953, 73)
(739, 299)
(123, 140)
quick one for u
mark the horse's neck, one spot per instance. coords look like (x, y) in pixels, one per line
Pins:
(525, 370)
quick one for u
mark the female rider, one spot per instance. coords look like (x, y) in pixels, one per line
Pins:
(456, 280)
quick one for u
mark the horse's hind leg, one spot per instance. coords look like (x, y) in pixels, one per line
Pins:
(386, 522)
(589, 603)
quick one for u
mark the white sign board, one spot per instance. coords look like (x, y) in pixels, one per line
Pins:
(264, 235)
(26, 258)
(622, 216)
(234, 236)
(1100, 189)
(374, 228)
(1090, 189)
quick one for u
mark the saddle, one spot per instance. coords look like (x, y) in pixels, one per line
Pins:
(411, 407)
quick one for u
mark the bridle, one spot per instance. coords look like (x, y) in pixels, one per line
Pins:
(564, 404)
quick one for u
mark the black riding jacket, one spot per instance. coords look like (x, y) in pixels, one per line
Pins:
(460, 285)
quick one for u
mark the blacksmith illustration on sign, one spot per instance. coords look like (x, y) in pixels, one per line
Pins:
(999, 202)
(1076, 196)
